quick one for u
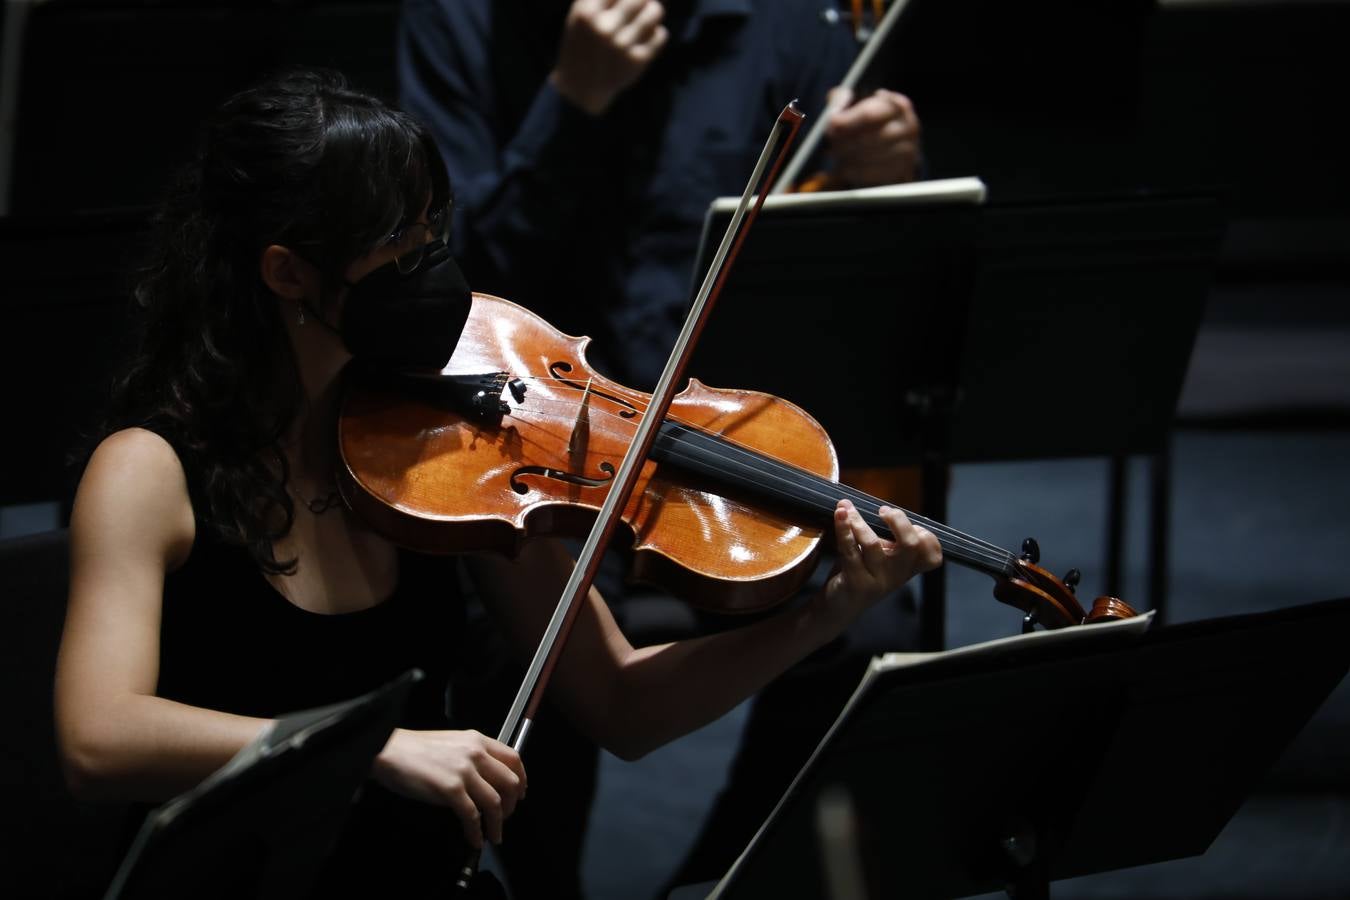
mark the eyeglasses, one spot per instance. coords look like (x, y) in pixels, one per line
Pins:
(419, 237)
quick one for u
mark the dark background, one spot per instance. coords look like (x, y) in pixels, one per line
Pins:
(1045, 101)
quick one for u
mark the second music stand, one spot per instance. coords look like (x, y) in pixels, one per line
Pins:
(1031, 759)
(934, 335)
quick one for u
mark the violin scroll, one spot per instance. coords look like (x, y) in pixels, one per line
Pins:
(1050, 601)
(1105, 609)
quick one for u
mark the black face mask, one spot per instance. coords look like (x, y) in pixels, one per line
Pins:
(396, 321)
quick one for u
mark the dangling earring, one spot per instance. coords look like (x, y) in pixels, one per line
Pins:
(300, 308)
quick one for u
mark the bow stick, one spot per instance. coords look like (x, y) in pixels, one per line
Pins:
(518, 719)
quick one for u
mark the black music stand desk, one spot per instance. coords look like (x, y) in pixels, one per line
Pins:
(1047, 756)
(927, 326)
(262, 825)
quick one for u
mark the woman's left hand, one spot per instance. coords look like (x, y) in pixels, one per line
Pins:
(871, 566)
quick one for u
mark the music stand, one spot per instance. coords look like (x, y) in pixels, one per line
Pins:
(1020, 761)
(263, 825)
(883, 300)
(950, 333)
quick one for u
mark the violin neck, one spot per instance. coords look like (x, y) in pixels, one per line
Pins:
(729, 463)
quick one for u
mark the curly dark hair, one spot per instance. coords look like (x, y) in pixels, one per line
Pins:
(300, 160)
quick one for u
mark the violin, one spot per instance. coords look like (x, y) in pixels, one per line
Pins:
(519, 436)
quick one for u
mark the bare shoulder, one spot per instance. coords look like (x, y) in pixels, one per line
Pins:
(134, 490)
(136, 459)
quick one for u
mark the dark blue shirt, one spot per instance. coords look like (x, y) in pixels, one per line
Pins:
(594, 221)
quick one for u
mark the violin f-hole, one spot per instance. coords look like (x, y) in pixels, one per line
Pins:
(571, 478)
(559, 368)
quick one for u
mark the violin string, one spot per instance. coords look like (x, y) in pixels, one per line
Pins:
(868, 505)
(957, 541)
(861, 499)
(823, 501)
(821, 486)
(784, 474)
(817, 494)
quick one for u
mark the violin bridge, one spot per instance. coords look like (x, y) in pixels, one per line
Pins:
(581, 430)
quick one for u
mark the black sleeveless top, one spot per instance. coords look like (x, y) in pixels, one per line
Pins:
(229, 641)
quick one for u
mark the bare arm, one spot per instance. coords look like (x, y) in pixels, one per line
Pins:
(132, 523)
(633, 700)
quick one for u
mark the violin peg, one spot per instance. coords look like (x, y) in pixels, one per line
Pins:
(1071, 579)
(1031, 551)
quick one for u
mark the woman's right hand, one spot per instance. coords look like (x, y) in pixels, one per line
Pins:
(481, 779)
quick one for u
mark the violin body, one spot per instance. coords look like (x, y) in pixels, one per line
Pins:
(728, 511)
(438, 479)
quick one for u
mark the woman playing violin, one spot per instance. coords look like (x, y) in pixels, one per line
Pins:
(218, 581)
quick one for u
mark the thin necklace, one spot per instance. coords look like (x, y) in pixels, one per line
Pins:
(321, 505)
